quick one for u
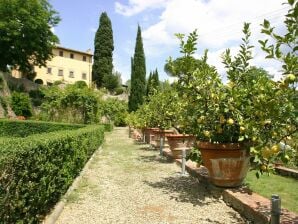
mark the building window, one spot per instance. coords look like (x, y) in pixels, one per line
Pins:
(71, 74)
(49, 70)
(84, 58)
(60, 72)
(71, 55)
(84, 76)
(61, 53)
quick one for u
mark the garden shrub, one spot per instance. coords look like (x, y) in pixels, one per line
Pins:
(119, 91)
(36, 97)
(116, 111)
(36, 171)
(20, 104)
(17, 128)
(108, 126)
(71, 105)
(80, 84)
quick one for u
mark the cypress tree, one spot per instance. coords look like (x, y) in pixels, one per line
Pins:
(155, 78)
(103, 52)
(138, 75)
(152, 83)
(149, 84)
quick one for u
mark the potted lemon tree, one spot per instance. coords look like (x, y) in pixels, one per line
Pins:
(235, 123)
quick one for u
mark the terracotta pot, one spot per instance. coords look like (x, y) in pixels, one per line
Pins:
(148, 132)
(163, 133)
(178, 142)
(227, 164)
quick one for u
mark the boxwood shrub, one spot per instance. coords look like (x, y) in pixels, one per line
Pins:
(19, 128)
(37, 170)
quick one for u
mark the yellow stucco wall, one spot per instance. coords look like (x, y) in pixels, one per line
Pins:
(76, 65)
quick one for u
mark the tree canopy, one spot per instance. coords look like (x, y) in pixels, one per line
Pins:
(26, 37)
(138, 75)
(103, 53)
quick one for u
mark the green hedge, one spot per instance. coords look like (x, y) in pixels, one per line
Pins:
(108, 126)
(37, 170)
(19, 128)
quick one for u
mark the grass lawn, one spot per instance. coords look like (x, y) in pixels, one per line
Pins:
(285, 187)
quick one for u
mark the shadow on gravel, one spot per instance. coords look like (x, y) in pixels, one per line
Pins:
(139, 143)
(154, 158)
(184, 189)
(148, 148)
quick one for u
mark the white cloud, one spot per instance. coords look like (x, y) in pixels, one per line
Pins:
(53, 29)
(219, 25)
(218, 22)
(136, 6)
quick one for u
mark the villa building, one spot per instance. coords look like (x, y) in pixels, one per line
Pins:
(66, 65)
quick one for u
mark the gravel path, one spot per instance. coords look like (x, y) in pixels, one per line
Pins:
(130, 183)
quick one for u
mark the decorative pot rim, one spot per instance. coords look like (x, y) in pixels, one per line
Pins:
(220, 146)
(163, 131)
(151, 128)
(180, 135)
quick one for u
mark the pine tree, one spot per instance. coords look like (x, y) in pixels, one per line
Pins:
(103, 52)
(138, 75)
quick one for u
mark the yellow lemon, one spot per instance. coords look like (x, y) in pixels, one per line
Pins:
(275, 149)
(291, 77)
(242, 129)
(230, 121)
(264, 167)
(207, 133)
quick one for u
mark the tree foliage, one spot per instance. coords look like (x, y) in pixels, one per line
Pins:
(20, 104)
(26, 38)
(75, 103)
(116, 111)
(138, 75)
(284, 47)
(103, 53)
(113, 81)
(152, 83)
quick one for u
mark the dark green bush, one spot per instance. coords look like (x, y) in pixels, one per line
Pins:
(80, 84)
(16, 128)
(1, 83)
(36, 97)
(18, 87)
(37, 170)
(20, 104)
(119, 90)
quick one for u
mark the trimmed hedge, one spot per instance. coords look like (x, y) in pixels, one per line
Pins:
(19, 128)
(108, 126)
(37, 170)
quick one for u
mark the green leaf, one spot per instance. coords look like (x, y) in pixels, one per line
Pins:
(266, 24)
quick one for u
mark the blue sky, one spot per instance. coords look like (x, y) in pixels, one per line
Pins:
(219, 25)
